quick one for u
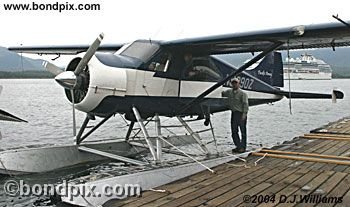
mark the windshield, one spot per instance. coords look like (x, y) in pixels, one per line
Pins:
(141, 50)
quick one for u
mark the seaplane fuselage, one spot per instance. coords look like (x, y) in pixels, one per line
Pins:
(155, 81)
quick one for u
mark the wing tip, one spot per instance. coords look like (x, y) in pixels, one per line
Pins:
(338, 94)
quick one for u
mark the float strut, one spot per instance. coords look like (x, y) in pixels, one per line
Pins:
(82, 128)
(131, 126)
(194, 135)
(158, 140)
(145, 133)
(95, 127)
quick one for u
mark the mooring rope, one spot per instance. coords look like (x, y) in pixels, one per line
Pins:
(187, 155)
(159, 191)
(258, 160)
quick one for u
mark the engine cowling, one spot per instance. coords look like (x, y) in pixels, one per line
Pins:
(82, 82)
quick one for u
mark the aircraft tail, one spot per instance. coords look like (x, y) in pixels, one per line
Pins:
(269, 70)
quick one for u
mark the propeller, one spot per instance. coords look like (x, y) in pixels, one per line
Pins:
(88, 55)
(70, 79)
(73, 81)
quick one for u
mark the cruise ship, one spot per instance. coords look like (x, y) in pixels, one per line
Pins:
(307, 67)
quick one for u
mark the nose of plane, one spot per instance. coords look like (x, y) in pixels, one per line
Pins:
(67, 79)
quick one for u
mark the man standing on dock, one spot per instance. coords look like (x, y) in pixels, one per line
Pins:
(238, 103)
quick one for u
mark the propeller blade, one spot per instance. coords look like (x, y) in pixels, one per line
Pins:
(74, 122)
(52, 68)
(88, 55)
(201, 97)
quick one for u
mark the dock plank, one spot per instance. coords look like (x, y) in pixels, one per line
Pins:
(338, 192)
(271, 176)
(237, 200)
(177, 192)
(177, 185)
(186, 197)
(283, 183)
(346, 200)
(232, 194)
(313, 185)
(289, 189)
(149, 196)
(195, 194)
(219, 191)
(319, 149)
(330, 151)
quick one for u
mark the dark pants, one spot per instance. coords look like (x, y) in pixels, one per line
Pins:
(236, 121)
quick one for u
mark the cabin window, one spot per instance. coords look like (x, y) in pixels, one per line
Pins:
(202, 69)
(161, 63)
(141, 50)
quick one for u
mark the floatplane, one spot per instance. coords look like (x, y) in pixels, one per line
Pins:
(148, 79)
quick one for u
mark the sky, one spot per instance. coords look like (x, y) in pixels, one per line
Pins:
(126, 20)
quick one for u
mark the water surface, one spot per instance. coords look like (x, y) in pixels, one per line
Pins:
(43, 104)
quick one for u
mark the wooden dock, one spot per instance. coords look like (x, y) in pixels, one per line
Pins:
(310, 170)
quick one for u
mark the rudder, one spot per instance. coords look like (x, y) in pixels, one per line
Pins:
(269, 70)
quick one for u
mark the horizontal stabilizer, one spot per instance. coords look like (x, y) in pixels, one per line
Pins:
(5, 116)
(338, 95)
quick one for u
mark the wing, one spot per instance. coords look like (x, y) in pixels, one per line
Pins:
(299, 37)
(63, 50)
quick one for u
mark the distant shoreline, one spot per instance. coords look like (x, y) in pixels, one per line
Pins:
(26, 75)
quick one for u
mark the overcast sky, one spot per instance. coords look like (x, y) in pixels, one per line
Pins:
(123, 21)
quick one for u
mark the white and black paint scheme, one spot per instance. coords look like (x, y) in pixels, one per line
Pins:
(151, 75)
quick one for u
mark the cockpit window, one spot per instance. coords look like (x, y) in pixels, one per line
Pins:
(160, 63)
(141, 50)
(201, 69)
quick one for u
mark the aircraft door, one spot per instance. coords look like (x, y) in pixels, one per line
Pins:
(166, 76)
(198, 76)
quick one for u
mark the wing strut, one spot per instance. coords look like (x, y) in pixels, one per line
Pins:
(340, 20)
(200, 98)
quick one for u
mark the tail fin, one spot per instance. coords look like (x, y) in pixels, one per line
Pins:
(269, 70)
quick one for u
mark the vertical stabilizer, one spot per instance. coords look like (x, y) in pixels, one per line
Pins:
(269, 70)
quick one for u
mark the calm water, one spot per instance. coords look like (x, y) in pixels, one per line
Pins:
(42, 103)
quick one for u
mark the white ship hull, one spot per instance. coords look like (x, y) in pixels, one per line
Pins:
(307, 67)
(308, 76)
